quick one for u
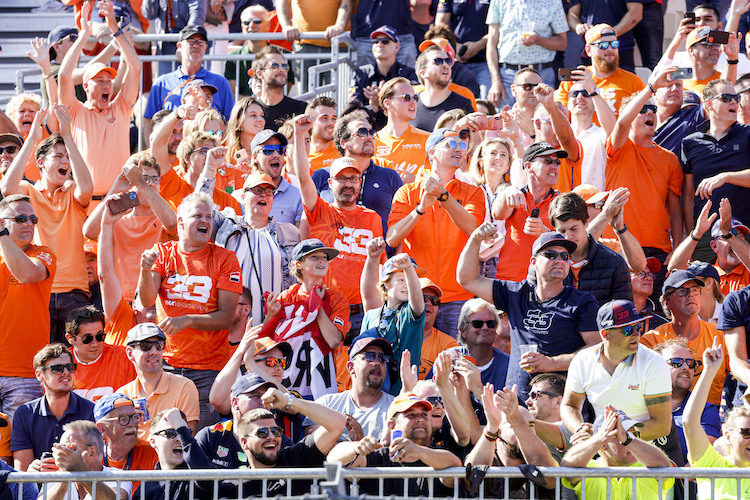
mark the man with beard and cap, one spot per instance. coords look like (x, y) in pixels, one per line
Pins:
(271, 69)
(322, 111)
(365, 404)
(101, 125)
(613, 82)
(410, 431)
(260, 438)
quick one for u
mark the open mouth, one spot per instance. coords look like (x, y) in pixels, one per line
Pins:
(650, 122)
(271, 445)
(105, 97)
(177, 450)
(203, 230)
(62, 171)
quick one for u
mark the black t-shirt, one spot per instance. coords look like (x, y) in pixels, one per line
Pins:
(427, 117)
(287, 108)
(395, 486)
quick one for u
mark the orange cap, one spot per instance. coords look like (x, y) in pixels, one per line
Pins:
(598, 31)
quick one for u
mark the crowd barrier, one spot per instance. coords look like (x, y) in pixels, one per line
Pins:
(333, 481)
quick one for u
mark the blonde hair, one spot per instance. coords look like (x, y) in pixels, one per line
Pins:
(449, 116)
(234, 126)
(15, 103)
(476, 166)
(189, 143)
(201, 120)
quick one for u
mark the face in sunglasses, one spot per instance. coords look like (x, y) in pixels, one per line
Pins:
(381, 41)
(263, 432)
(598, 205)
(629, 330)
(453, 144)
(408, 97)
(576, 93)
(689, 362)
(88, 338)
(439, 61)
(270, 149)
(527, 86)
(276, 65)
(370, 357)
(727, 97)
(434, 400)
(60, 369)
(11, 150)
(648, 107)
(614, 44)
(435, 301)
(549, 161)
(365, 132)
(167, 433)
(23, 218)
(256, 21)
(744, 432)
(272, 362)
(147, 345)
(552, 255)
(534, 395)
(478, 323)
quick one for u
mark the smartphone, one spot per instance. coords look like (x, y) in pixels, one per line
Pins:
(565, 74)
(462, 50)
(534, 212)
(682, 74)
(46, 455)
(691, 16)
(241, 156)
(721, 37)
(495, 122)
(395, 434)
(126, 202)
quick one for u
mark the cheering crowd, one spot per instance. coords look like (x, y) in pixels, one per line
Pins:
(483, 259)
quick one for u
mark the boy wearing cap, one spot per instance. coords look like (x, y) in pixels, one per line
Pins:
(620, 372)
(101, 125)
(559, 319)
(117, 418)
(408, 447)
(160, 389)
(433, 218)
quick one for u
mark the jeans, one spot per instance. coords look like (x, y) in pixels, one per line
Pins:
(482, 72)
(507, 75)
(649, 34)
(203, 380)
(407, 54)
(60, 305)
(15, 391)
(447, 318)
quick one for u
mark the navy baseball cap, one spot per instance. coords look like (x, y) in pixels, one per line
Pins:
(107, 403)
(248, 383)
(367, 338)
(618, 313)
(678, 278)
(191, 30)
(61, 32)
(703, 270)
(387, 31)
(736, 224)
(266, 134)
(552, 239)
(542, 149)
(306, 247)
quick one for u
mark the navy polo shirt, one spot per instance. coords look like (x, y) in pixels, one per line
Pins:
(35, 427)
(704, 156)
(468, 20)
(370, 74)
(160, 98)
(680, 125)
(372, 14)
(554, 325)
(379, 184)
(735, 312)
(594, 12)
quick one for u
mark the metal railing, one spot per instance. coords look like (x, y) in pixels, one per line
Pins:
(332, 481)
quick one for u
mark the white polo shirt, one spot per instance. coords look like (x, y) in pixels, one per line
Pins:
(643, 375)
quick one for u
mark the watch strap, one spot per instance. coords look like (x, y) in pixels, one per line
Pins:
(4, 232)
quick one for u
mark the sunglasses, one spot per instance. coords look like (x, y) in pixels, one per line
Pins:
(614, 44)
(434, 400)
(477, 323)
(273, 148)
(629, 330)
(88, 338)
(576, 93)
(744, 432)
(348, 180)
(272, 362)
(439, 61)
(528, 86)
(201, 151)
(534, 395)
(708, 44)
(283, 66)
(167, 433)
(255, 20)
(381, 41)
(598, 205)
(215, 133)
(23, 218)
(147, 345)
(364, 132)
(552, 255)
(689, 362)
(727, 97)
(370, 356)
(258, 191)
(550, 161)
(262, 432)
(453, 144)
(648, 107)
(645, 275)
(684, 292)
(125, 420)
(9, 149)
(60, 369)
(435, 301)
(408, 97)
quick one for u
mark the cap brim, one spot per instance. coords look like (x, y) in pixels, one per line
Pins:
(331, 253)
(677, 285)
(567, 244)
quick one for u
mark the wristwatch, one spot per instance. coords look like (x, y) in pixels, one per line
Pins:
(443, 197)
(630, 438)
(4, 232)
(731, 234)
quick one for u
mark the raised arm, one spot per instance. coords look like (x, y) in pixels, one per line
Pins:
(149, 281)
(696, 437)
(160, 207)
(483, 452)
(302, 124)
(131, 81)
(461, 423)
(431, 189)
(65, 86)
(93, 224)
(684, 252)
(105, 259)
(368, 281)
(740, 246)
(467, 271)
(11, 181)
(560, 124)
(26, 270)
(84, 185)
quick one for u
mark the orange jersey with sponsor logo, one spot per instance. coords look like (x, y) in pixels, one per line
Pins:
(324, 158)
(348, 231)
(112, 370)
(406, 152)
(190, 285)
(174, 189)
(24, 309)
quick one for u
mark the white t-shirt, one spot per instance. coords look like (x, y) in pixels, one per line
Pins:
(123, 485)
(641, 376)
(594, 161)
(371, 419)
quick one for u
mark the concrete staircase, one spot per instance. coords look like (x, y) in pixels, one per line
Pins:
(18, 25)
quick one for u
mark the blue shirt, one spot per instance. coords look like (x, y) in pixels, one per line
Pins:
(594, 12)
(287, 203)
(497, 371)
(379, 185)
(160, 98)
(467, 21)
(30, 491)
(710, 422)
(680, 125)
(554, 325)
(372, 14)
(704, 156)
(35, 427)
(735, 312)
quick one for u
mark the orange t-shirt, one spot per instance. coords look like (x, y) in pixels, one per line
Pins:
(174, 189)
(570, 172)
(230, 179)
(340, 359)
(190, 285)
(349, 232)
(60, 228)
(697, 86)
(650, 174)
(315, 16)
(339, 314)
(24, 310)
(133, 235)
(120, 324)
(324, 158)
(613, 89)
(436, 241)
(143, 457)
(103, 139)
(5, 433)
(515, 255)
(703, 341)
(734, 280)
(437, 343)
(113, 369)
(458, 89)
(406, 152)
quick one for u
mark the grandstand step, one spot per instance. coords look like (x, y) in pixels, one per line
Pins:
(23, 25)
